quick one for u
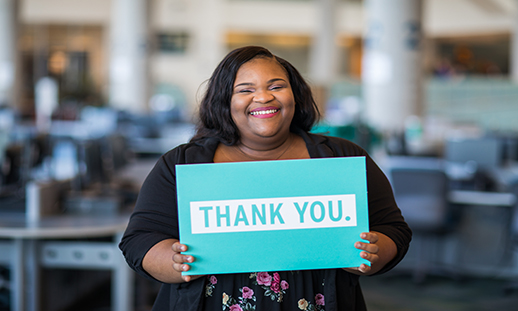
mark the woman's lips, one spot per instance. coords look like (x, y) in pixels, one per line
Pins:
(265, 112)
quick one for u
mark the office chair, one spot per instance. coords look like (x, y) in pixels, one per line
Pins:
(487, 152)
(512, 285)
(421, 192)
(480, 156)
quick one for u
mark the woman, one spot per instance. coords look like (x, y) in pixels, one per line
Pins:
(257, 107)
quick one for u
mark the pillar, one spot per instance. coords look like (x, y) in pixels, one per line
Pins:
(514, 48)
(128, 59)
(392, 63)
(8, 22)
(210, 36)
(323, 62)
(323, 66)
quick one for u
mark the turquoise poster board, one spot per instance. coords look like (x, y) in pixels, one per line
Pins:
(272, 215)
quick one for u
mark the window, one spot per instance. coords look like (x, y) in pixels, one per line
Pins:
(172, 42)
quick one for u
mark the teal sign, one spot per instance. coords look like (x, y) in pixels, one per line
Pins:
(273, 215)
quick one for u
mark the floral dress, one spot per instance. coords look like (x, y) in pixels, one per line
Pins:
(284, 290)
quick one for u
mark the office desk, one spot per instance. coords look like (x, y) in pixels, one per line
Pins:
(27, 246)
(482, 221)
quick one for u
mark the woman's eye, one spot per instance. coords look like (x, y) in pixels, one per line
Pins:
(276, 87)
(245, 91)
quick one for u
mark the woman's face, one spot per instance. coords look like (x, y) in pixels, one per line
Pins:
(262, 104)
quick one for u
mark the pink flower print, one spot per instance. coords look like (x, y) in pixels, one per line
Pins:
(213, 280)
(276, 278)
(276, 283)
(275, 287)
(235, 308)
(319, 300)
(263, 278)
(284, 285)
(247, 292)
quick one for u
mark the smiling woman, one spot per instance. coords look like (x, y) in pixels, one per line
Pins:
(262, 108)
(215, 116)
(262, 105)
(257, 107)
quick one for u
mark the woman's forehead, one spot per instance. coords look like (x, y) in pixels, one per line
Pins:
(260, 66)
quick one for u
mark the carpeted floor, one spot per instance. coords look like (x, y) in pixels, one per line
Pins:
(399, 293)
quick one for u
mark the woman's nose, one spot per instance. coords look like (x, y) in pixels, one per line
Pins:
(263, 96)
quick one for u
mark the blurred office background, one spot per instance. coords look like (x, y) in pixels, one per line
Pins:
(92, 92)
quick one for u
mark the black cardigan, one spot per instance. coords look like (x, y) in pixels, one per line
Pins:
(155, 217)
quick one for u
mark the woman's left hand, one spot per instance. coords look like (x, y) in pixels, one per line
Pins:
(379, 247)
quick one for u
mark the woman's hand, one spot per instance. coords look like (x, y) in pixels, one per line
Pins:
(379, 251)
(165, 262)
(180, 261)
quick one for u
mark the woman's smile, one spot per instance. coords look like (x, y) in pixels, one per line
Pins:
(265, 112)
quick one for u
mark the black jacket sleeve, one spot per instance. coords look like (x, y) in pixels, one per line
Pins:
(155, 211)
(155, 217)
(384, 214)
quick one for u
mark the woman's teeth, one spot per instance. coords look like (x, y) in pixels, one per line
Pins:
(256, 113)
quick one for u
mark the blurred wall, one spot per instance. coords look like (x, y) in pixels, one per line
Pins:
(209, 29)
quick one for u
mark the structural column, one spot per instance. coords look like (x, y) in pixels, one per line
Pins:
(8, 22)
(323, 63)
(514, 48)
(392, 63)
(209, 36)
(128, 69)
(323, 66)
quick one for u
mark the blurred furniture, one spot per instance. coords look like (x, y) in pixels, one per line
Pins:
(512, 248)
(63, 242)
(472, 161)
(487, 152)
(471, 231)
(486, 232)
(421, 191)
(483, 171)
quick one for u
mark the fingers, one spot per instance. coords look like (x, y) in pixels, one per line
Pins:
(178, 257)
(363, 268)
(370, 236)
(370, 250)
(370, 247)
(180, 261)
(372, 257)
(182, 268)
(178, 247)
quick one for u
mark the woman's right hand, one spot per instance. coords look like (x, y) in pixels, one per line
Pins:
(165, 262)
(181, 262)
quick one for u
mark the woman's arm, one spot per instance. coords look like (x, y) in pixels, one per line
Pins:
(165, 262)
(380, 251)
